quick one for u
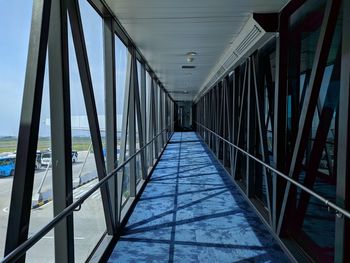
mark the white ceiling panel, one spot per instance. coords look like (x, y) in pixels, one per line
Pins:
(166, 30)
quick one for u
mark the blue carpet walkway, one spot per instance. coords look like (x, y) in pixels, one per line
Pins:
(191, 212)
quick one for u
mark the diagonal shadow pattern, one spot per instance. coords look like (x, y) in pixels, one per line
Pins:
(191, 212)
(173, 210)
(184, 193)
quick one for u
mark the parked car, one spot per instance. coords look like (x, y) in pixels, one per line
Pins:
(38, 160)
(46, 158)
(7, 166)
(74, 156)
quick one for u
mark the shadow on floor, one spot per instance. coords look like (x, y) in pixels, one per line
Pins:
(191, 212)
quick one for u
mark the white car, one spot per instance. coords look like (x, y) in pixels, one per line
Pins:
(46, 158)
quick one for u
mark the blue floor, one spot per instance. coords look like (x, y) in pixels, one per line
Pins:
(191, 212)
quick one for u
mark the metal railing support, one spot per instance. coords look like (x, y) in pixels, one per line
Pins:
(340, 212)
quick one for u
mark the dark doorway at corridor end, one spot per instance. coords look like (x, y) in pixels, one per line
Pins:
(183, 112)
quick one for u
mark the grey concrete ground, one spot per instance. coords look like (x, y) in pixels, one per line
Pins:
(89, 222)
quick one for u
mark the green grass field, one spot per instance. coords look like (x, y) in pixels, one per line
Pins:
(9, 144)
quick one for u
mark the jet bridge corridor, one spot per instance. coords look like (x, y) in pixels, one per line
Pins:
(175, 131)
(190, 211)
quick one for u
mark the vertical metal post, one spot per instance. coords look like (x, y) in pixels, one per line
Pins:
(242, 103)
(158, 118)
(143, 112)
(161, 113)
(250, 173)
(149, 126)
(233, 124)
(164, 117)
(132, 123)
(218, 120)
(166, 114)
(342, 224)
(154, 117)
(138, 119)
(224, 114)
(214, 119)
(110, 109)
(124, 134)
(61, 138)
(143, 97)
(209, 119)
(259, 100)
(22, 188)
(235, 87)
(280, 122)
(172, 108)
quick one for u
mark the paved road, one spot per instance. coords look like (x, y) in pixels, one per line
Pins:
(88, 221)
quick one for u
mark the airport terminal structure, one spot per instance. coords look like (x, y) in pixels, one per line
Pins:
(208, 131)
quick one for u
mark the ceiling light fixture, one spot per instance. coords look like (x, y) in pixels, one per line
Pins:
(190, 56)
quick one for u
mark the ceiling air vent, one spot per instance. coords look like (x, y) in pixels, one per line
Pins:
(188, 67)
(229, 61)
(250, 37)
(254, 32)
(220, 71)
(179, 92)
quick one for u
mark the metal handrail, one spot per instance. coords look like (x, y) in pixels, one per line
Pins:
(328, 203)
(25, 246)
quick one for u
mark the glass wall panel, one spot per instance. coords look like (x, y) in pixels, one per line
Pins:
(42, 207)
(241, 122)
(265, 76)
(89, 223)
(14, 32)
(43, 250)
(122, 58)
(314, 226)
(148, 118)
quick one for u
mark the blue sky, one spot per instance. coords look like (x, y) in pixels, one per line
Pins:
(15, 18)
(14, 32)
